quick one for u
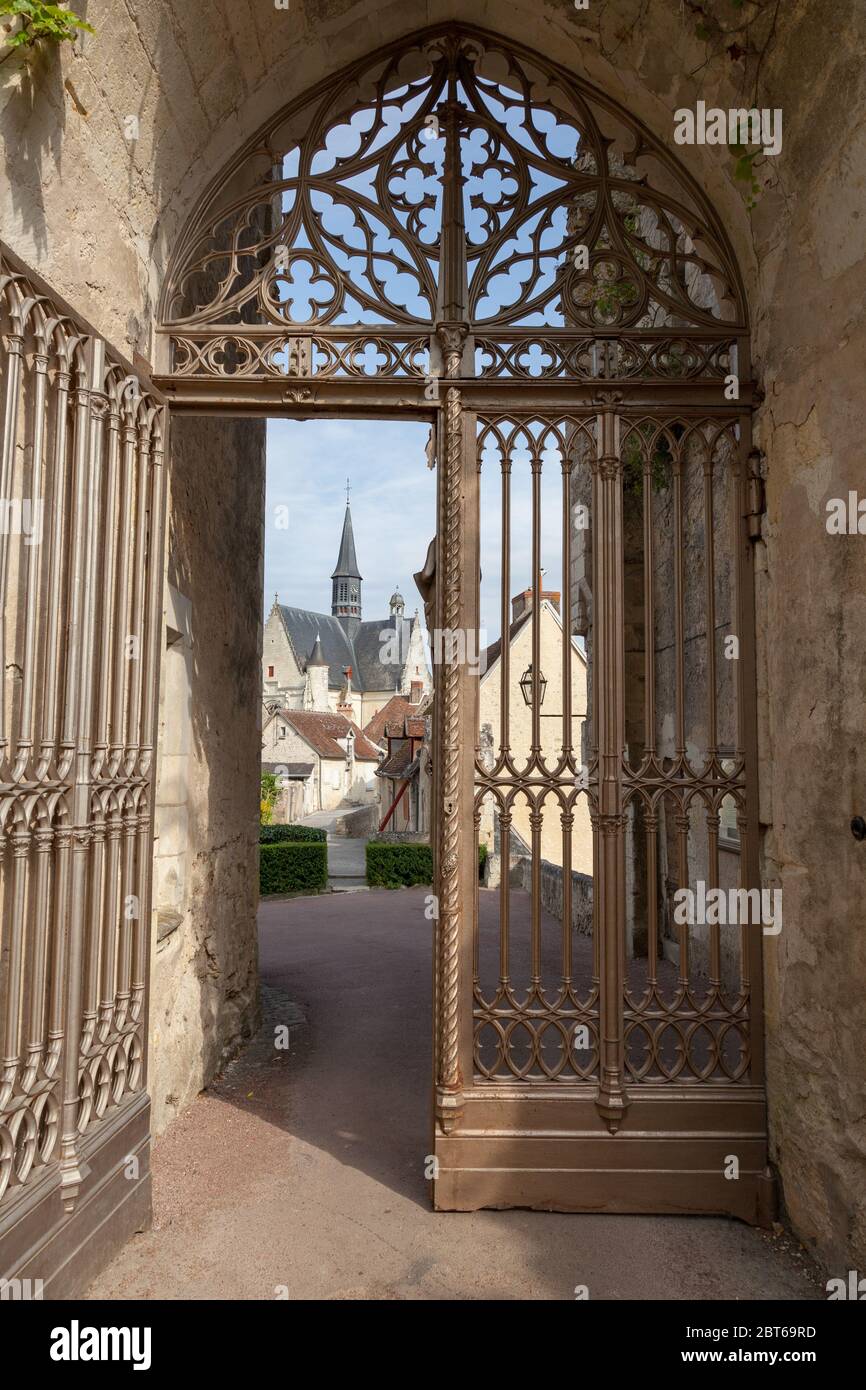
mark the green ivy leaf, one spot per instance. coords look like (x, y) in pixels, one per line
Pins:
(42, 21)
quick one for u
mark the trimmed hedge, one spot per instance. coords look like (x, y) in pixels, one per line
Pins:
(391, 864)
(395, 865)
(293, 866)
(279, 834)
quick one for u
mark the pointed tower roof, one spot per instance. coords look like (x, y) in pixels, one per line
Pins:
(317, 656)
(347, 563)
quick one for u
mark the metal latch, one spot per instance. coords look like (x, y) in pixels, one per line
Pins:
(756, 496)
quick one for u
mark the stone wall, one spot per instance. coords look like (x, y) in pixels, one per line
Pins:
(520, 736)
(97, 213)
(293, 801)
(204, 982)
(360, 824)
(551, 893)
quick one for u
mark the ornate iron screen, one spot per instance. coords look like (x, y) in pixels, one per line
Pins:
(453, 181)
(459, 230)
(81, 568)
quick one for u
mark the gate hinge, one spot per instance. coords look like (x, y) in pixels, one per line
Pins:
(756, 495)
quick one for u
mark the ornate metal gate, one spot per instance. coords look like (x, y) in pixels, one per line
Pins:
(458, 230)
(81, 567)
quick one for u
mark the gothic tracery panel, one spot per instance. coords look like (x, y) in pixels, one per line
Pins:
(581, 246)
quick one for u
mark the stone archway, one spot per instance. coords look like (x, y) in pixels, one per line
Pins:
(455, 222)
(805, 432)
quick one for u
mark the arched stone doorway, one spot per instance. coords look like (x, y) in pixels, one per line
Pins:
(456, 230)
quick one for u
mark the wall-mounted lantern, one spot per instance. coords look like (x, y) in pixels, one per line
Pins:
(526, 686)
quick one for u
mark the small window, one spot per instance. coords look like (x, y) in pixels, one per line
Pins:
(282, 731)
(270, 672)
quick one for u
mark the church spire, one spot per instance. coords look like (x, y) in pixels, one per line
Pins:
(346, 578)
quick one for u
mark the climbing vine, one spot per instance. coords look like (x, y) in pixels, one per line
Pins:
(40, 23)
(661, 464)
(745, 30)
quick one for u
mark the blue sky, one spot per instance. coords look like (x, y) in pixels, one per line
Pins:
(393, 492)
(393, 498)
(393, 501)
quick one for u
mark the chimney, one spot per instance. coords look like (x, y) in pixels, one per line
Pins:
(344, 704)
(522, 603)
(416, 690)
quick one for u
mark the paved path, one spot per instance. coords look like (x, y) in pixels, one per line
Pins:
(326, 820)
(347, 862)
(347, 855)
(303, 1169)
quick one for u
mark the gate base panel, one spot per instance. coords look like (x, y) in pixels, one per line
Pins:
(670, 1156)
(66, 1250)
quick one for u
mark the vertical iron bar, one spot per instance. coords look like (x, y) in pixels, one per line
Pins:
(31, 587)
(566, 817)
(651, 826)
(535, 749)
(155, 641)
(14, 358)
(77, 729)
(710, 578)
(649, 610)
(52, 683)
(505, 718)
(682, 827)
(608, 602)
(748, 733)
(679, 598)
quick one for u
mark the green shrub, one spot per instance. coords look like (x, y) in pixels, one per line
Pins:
(395, 865)
(278, 834)
(293, 866)
(398, 865)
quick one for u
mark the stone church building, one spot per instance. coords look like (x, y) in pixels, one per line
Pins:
(341, 661)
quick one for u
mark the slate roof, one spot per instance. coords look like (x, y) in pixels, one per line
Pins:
(369, 646)
(289, 769)
(362, 652)
(321, 730)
